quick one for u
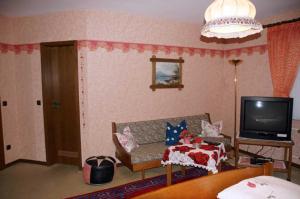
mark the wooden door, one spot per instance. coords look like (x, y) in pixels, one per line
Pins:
(2, 159)
(61, 102)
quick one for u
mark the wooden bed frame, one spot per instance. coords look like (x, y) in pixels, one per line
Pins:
(208, 187)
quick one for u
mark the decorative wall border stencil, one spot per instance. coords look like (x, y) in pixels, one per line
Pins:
(261, 49)
(93, 45)
(82, 70)
(82, 62)
(18, 48)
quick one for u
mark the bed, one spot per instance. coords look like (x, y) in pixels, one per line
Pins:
(208, 187)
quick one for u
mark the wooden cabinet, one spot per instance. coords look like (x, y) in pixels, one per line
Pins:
(287, 145)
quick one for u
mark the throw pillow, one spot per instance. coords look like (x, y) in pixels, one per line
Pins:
(211, 130)
(127, 140)
(173, 132)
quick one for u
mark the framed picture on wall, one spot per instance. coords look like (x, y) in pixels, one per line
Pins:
(166, 73)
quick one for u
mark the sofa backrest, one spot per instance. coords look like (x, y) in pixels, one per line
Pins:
(152, 131)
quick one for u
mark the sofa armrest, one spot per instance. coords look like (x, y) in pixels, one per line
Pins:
(121, 153)
(226, 136)
(229, 146)
(226, 140)
(119, 147)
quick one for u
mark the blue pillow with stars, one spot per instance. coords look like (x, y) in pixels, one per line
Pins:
(173, 132)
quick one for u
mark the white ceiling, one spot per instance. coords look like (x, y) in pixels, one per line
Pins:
(183, 10)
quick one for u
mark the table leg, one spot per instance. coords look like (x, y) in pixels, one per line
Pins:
(143, 174)
(220, 166)
(183, 170)
(286, 154)
(290, 163)
(236, 149)
(169, 174)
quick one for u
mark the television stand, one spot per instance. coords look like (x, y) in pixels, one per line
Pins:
(287, 145)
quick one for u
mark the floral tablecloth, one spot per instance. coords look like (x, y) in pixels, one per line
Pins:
(205, 156)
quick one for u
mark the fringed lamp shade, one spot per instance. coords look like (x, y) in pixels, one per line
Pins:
(230, 19)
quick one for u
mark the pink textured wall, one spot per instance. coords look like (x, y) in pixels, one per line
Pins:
(30, 116)
(254, 80)
(9, 112)
(114, 26)
(28, 133)
(6, 35)
(296, 150)
(115, 82)
(60, 26)
(293, 14)
(262, 38)
(20, 86)
(118, 90)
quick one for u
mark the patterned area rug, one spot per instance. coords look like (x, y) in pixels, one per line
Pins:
(142, 186)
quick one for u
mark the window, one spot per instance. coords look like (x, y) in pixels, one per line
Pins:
(295, 93)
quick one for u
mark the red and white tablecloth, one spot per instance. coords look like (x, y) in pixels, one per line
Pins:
(205, 156)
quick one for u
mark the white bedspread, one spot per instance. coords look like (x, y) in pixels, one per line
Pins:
(267, 187)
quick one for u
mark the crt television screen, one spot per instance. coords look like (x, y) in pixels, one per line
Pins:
(269, 116)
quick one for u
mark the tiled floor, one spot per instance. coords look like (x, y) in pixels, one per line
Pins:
(32, 181)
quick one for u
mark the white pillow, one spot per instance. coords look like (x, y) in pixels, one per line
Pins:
(261, 187)
(211, 130)
(127, 140)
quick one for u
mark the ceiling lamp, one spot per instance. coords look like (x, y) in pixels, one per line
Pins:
(230, 19)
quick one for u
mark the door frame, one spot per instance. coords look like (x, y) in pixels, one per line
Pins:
(48, 136)
(2, 154)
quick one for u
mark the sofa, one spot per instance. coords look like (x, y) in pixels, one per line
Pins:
(150, 135)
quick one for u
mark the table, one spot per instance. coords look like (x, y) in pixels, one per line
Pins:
(205, 156)
(287, 145)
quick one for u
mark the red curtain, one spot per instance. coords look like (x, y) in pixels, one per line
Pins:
(284, 56)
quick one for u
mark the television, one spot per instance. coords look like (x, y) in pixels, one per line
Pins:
(267, 118)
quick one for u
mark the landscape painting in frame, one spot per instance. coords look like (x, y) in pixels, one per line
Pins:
(166, 73)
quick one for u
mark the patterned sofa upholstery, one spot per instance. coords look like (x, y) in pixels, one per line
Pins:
(150, 135)
(148, 152)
